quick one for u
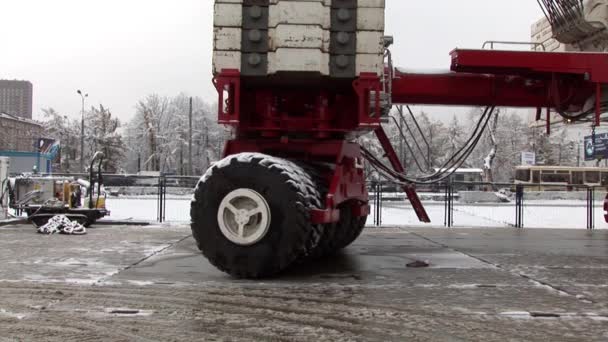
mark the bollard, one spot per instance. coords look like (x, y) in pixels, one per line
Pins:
(449, 205)
(162, 199)
(378, 205)
(519, 206)
(590, 208)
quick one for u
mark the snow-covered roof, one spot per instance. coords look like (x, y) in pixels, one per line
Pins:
(463, 170)
(557, 168)
(17, 118)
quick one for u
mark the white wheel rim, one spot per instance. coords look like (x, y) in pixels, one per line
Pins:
(244, 217)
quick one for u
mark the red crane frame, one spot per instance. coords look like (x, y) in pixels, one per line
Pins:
(315, 119)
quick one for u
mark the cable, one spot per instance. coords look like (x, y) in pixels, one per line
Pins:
(404, 121)
(443, 173)
(457, 160)
(428, 146)
(402, 179)
(407, 144)
(462, 154)
(472, 141)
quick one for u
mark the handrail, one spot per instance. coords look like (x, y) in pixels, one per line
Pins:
(508, 185)
(492, 42)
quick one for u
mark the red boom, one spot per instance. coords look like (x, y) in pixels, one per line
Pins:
(560, 81)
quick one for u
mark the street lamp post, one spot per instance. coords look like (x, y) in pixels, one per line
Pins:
(67, 148)
(83, 97)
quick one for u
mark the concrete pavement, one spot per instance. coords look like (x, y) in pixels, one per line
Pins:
(121, 283)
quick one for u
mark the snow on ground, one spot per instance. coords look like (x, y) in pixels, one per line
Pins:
(537, 214)
(545, 214)
(146, 209)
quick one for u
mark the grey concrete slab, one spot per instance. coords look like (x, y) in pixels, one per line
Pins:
(12, 222)
(574, 262)
(152, 284)
(88, 259)
(379, 257)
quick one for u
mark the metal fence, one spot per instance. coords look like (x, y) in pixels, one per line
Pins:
(167, 198)
(520, 211)
(145, 198)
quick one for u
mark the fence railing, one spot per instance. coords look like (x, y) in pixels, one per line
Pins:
(141, 195)
(383, 196)
(515, 196)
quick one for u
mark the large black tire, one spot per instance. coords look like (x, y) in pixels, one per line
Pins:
(350, 228)
(341, 234)
(289, 192)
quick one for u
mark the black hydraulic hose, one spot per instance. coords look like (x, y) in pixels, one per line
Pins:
(466, 150)
(402, 179)
(456, 160)
(428, 146)
(446, 169)
(402, 117)
(406, 143)
(426, 142)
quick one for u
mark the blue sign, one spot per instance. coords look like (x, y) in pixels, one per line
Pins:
(597, 150)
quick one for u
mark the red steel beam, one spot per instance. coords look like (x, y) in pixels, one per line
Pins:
(592, 66)
(410, 190)
(563, 81)
(465, 89)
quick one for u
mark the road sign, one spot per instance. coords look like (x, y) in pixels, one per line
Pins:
(597, 150)
(528, 158)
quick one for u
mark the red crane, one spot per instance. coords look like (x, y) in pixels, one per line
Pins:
(292, 183)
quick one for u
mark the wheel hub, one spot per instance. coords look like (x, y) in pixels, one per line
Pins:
(244, 217)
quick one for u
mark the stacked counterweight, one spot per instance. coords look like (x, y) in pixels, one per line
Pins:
(336, 38)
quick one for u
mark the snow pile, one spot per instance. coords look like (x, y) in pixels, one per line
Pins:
(62, 225)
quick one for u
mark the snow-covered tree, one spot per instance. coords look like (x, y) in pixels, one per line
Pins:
(512, 140)
(416, 156)
(437, 138)
(455, 136)
(492, 141)
(159, 136)
(101, 134)
(67, 132)
(555, 149)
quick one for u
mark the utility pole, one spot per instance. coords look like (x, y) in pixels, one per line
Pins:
(206, 150)
(190, 169)
(578, 150)
(181, 160)
(83, 96)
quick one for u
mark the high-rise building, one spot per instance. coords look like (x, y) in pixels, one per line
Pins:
(16, 98)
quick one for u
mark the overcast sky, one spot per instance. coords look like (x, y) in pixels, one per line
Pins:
(119, 51)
